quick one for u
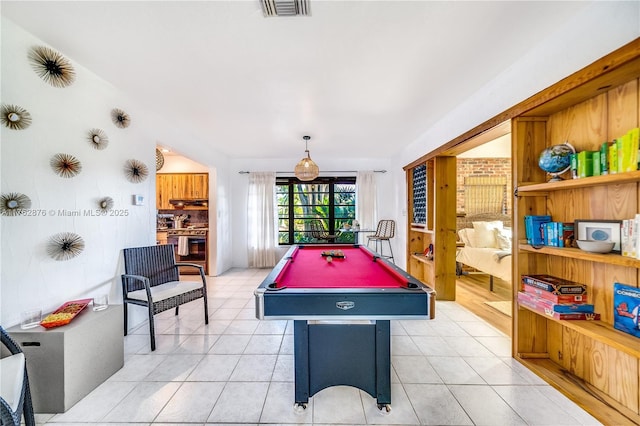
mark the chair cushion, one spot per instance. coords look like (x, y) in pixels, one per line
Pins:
(166, 290)
(11, 379)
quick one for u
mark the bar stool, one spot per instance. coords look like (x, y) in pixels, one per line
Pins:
(384, 232)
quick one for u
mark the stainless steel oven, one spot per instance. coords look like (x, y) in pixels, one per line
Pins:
(189, 245)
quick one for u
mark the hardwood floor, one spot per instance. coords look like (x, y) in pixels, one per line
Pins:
(473, 290)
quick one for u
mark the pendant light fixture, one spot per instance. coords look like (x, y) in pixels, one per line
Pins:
(306, 169)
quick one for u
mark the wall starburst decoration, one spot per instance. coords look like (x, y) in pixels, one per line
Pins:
(105, 204)
(65, 165)
(120, 118)
(15, 117)
(159, 159)
(65, 246)
(12, 203)
(136, 171)
(51, 66)
(98, 138)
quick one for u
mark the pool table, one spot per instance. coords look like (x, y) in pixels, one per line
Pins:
(341, 298)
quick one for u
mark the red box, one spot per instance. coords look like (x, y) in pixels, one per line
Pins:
(554, 284)
(556, 298)
(532, 302)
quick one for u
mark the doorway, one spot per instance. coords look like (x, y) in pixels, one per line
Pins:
(483, 226)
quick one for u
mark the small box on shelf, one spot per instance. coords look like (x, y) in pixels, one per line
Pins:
(626, 309)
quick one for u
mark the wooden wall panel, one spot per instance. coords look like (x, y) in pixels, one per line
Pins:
(623, 109)
(574, 355)
(584, 125)
(623, 378)
(597, 372)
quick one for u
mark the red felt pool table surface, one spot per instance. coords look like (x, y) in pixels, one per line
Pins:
(360, 268)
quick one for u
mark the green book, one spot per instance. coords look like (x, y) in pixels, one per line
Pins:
(604, 158)
(613, 157)
(585, 164)
(596, 164)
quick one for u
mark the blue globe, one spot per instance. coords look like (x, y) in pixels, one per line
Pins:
(556, 159)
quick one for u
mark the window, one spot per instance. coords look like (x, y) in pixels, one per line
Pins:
(332, 200)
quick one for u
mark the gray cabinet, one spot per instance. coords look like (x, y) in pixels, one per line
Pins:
(66, 363)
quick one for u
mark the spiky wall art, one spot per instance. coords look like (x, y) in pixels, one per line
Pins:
(98, 138)
(15, 117)
(120, 118)
(136, 171)
(65, 165)
(65, 246)
(51, 66)
(105, 204)
(12, 203)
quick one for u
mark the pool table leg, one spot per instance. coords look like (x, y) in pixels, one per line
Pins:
(301, 362)
(383, 362)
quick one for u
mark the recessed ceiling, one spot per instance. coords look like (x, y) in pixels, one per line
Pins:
(363, 78)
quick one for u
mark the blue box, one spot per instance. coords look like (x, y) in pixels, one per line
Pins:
(534, 228)
(626, 308)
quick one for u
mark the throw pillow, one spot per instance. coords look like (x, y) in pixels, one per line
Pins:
(485, 236)
(503, 239)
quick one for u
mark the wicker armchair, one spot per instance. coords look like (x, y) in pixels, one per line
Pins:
(320, 233)
(15, 395)
(384, 232)
(152, 279)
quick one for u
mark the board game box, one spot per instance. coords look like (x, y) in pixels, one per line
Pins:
(526, 302)
(544, 304)
(556, 298)
(554, 284)
(626, 308)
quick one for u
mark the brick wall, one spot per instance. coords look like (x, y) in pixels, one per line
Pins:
(483, 167)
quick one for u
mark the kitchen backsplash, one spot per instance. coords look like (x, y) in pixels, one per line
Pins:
(196, 218)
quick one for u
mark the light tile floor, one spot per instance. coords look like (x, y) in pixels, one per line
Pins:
(454, 370)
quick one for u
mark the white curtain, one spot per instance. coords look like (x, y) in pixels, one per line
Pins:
(366, 202)
(261, 216)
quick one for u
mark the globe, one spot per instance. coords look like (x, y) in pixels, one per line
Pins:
(556, 159)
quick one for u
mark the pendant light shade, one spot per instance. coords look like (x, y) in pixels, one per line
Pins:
(306, 169)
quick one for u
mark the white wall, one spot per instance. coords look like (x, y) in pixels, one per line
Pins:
(581, 41)
(240, 185)
(61, 119)
(176, 163)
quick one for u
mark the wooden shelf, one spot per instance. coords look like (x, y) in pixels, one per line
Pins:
(614, 179)
(595, 402)
(423, 230)
(599, 331)
(422, 258)
(574, 253)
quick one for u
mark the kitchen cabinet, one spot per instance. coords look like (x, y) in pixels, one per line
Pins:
(180, 186)
(590, 361)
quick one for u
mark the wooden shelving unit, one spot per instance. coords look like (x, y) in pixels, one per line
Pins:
(590, 361)
(439, 227)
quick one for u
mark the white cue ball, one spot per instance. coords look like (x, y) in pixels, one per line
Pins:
(329, 259)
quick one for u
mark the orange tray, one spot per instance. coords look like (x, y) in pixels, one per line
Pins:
(65, 313)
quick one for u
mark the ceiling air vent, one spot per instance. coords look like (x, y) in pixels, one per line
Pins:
(285, 7)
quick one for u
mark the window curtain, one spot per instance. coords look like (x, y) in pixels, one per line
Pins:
(366, 202)
(261, 217)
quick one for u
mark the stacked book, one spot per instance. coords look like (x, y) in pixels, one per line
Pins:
(540, 230)
(556, 298)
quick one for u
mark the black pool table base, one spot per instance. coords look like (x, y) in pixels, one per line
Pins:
(350, 354)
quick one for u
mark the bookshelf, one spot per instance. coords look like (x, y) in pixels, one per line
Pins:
(590, 361)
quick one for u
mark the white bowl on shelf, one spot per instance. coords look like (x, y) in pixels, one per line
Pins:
(594, 246)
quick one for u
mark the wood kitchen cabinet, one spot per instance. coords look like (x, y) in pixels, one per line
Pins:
(181, 186)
